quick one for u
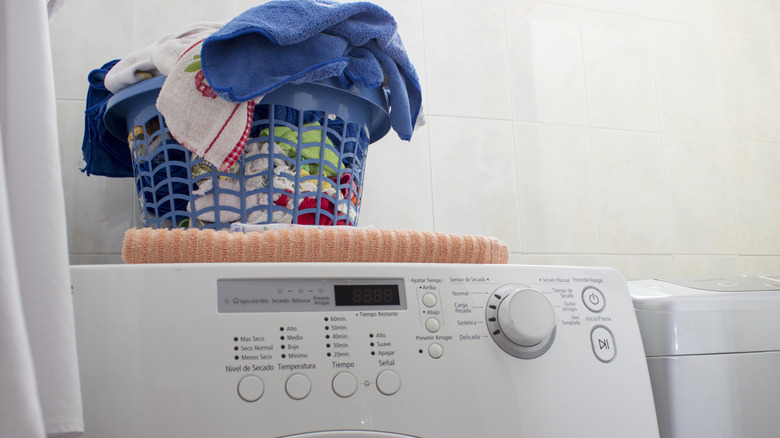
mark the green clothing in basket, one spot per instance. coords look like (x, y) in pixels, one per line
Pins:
(308, 153)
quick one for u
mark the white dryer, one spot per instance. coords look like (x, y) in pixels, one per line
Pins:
(359, 351)
(713, 352)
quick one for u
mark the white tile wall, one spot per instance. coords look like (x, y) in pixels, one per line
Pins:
(179, 14)
(631, 7)
(632, 197)
(688, 11)
(398, 190)
(637, 134)
(756, 190)
(701, 197)
(619, 71)
(751, 90)
(748, 16)
(466, 58)
(686, 72)
(558, 194)
(85, 35)
(475, 190)
(702, 266)
(547, 76)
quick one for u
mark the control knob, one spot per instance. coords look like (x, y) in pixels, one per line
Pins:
(521, 321)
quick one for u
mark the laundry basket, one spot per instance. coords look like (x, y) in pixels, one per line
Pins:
(304, 162)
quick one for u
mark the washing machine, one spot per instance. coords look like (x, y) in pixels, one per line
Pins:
(713, 352)
(359, 351)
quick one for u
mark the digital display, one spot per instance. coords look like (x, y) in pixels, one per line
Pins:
(367, 295)
(269, 295)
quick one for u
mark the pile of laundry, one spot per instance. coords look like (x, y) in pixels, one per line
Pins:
(215, 75)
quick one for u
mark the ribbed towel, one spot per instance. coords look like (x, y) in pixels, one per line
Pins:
(334, 244)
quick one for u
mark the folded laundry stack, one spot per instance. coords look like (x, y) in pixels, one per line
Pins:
(310, 244)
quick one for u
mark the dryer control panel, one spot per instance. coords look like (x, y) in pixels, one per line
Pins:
(405, 350)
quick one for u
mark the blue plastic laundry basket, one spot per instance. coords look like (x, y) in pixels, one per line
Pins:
(294, 181)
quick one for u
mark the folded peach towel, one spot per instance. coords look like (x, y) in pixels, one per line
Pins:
(334, 244)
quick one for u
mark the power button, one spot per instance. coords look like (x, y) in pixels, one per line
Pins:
(593, 299)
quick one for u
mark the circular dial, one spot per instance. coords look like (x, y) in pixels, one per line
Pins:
(521, 321)
(526, 317)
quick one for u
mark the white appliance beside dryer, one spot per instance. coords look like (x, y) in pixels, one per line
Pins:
(713, 352)
(359, 351)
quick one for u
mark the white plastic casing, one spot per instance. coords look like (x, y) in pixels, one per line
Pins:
(171, 350)
(713, 351)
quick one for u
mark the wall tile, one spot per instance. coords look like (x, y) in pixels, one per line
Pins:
(563, 259)
(562, 2)
(157, 19)
(545, 61)
(777, 55)
(757, 196)
(466, 59)
(397, 188)
(701, 200)
(688, 11)
(703, 265)
(84, 36)
(749, 16)
(632, 202)
(774, 17)
(631, 7)
(760, 265)
(751, 89)
(619, 71)
(640, 267)
(690, 99)
(96, 259)
(557, 189)
(243, 5)
(474, 182)
(98, 209)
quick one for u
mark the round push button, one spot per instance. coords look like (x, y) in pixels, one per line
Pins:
(429, 299)
(435, 350)
(250, 388)
(432, 325)
(344, 385)
(388, 382)
(603, 343)
(593, 299)
(298, 386)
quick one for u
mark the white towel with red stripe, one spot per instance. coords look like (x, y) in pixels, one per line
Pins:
(201, 121)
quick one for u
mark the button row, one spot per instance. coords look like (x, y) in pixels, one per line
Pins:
(433, 325)
(602, 341)
(298, 386)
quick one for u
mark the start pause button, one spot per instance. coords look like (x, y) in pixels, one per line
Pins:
(603, 343)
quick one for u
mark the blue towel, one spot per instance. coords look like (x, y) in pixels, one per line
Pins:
(103, 153)
(308, 40)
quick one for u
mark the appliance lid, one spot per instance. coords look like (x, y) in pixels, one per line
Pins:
(694, 316)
